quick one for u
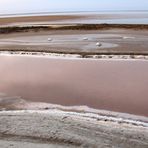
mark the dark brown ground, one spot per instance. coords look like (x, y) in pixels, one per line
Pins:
(65, 19)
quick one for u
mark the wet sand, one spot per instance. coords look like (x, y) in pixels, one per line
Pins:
(116, 85)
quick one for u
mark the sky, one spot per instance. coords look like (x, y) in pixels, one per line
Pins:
(28, 6)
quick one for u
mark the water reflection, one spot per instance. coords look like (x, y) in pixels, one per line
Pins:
(118, 85)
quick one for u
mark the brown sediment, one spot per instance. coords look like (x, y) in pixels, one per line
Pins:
(117, 85)
(13, 29)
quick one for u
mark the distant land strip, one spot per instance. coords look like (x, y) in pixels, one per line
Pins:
(13, 29)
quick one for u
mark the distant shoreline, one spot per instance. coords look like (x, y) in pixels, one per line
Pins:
(93, 17)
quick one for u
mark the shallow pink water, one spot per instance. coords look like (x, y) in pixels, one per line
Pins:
(117, 85)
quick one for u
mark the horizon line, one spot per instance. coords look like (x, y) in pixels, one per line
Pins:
(44, 12)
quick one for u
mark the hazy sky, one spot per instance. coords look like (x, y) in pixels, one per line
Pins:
(23, 6)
